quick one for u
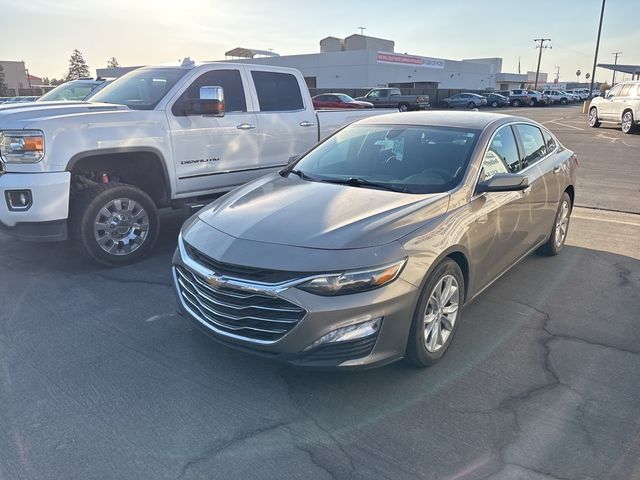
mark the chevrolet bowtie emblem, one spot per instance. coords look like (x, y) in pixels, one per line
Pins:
(215, 281)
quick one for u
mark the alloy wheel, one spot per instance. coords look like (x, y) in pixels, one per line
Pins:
(121, 226)
(627, 121)
(562, 224)
(441, 313)
(593, 117)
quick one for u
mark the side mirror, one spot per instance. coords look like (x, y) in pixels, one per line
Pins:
(210, 103)
(504, 182)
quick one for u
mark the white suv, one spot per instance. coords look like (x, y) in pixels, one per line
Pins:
(620, 105)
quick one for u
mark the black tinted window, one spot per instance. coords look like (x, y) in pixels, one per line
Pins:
(503, 146)
(229, 80)
(277, 92)
(532, 143)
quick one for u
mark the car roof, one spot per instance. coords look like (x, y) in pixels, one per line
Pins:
(470, 119)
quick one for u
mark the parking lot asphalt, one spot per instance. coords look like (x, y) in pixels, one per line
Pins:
(101, 379)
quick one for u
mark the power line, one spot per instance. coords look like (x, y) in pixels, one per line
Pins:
(542, 46)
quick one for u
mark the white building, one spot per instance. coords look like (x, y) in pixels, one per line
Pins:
(15, 75)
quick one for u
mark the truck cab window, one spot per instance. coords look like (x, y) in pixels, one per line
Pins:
(229, 80)
(277, 92)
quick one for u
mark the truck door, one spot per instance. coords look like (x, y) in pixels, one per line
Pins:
(214, 152)
(288, 127)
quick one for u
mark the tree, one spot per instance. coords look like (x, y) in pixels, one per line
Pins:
(46, 81)
(77, 66)
(578, 73)
(604, 87)
(113, 63)
(3, 83)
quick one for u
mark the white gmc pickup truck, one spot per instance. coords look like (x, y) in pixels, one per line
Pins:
(159, 136)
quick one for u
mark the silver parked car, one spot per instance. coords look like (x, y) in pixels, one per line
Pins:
(620, 105)
(366, 249)
(464, 100)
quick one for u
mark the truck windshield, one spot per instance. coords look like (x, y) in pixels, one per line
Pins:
(141, 89)
(411, 159)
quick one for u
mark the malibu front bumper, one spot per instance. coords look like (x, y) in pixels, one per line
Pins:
(285, 323)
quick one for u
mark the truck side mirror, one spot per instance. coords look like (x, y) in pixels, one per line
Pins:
(210, 103)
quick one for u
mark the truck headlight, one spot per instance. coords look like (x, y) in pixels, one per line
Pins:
(354, 281)
(21, 146)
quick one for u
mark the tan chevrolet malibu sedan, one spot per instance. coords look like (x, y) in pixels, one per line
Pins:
(366, 249)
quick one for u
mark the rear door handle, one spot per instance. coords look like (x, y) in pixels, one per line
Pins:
(307, 123)
(556, 169)
(245, 126)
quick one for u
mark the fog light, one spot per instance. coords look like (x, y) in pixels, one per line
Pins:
(18, 199)
(350, 332)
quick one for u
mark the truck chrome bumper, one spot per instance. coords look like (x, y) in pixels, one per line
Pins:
(44, 218)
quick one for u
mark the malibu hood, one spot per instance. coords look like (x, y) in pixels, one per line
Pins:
(296, 212)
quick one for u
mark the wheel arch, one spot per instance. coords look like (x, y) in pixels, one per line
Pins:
(458, 254)
(142, 167)
(572, 194)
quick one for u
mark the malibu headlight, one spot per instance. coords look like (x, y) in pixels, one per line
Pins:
(354, 281)
(21, 146)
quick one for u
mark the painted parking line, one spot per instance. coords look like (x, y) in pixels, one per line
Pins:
(565, 125)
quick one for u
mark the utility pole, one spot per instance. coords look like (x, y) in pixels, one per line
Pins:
(595, 57)
(557, 74)
(615, 64)
(541, 47)
(362, 29)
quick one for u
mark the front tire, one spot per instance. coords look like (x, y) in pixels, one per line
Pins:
(403, 107)
(437, 315)
(628, 122)
(563, 101)
(113, 224)
(516, 103)
(494, 104)
(560, 228)
(594, 122)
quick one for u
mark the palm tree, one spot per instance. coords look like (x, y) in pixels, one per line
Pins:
(578, 73)
(587, 76)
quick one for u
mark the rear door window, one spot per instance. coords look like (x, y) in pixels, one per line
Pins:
(549, 141)
(532, 142)
(626, 89)
(277, 92)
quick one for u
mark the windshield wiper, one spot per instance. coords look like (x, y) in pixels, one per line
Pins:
(301, 174)
(361, 182)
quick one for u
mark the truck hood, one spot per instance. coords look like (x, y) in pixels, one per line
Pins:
(20, 115)
(296, 212)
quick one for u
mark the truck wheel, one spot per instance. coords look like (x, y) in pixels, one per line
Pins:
(113, 224)
(403, 107)
(516, 103)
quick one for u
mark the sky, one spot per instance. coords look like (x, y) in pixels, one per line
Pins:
(43, 33)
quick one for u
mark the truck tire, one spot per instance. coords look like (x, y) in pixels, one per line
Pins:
(594, 121)
(516, 103)
(403, 107)
(113, 224)
(628, 123)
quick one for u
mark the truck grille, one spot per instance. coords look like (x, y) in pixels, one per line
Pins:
(249, 315)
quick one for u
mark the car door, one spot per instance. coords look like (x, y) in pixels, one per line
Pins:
(621, 101)
(204, 147)
(498, 234)
(543, 172)
(606, 108)
(287, 126)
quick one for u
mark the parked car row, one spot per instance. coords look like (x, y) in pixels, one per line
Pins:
(20, 99)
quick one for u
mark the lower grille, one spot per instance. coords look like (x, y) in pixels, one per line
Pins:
(336, 353)
(248, 315)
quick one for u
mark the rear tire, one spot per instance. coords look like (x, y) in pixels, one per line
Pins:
(563, 101)
(516, 103)
(628, 122)
(113, 224)
(594, 122)
(494, 104)
(436, 318)
(560, 228)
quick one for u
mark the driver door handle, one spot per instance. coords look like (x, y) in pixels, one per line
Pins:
(556, 169)
(245, 126)
(307, 123)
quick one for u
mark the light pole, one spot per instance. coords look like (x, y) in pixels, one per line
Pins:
(541, 46)
(595, 57)
(28, 79)
(615, 64)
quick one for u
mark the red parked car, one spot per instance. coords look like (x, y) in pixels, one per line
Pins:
(338, 100)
